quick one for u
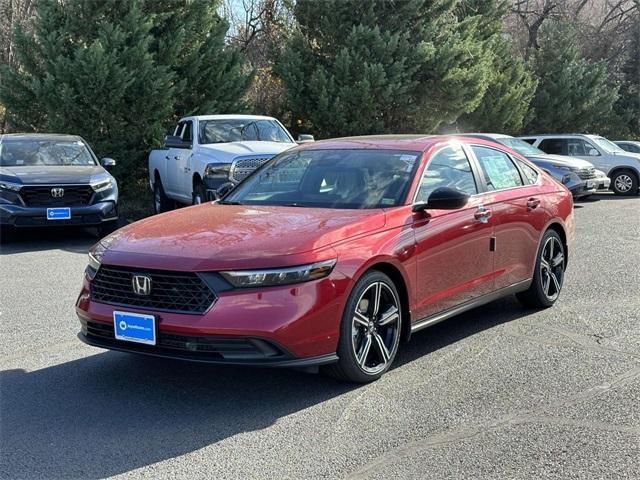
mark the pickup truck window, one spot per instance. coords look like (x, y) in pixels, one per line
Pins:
(238, 130)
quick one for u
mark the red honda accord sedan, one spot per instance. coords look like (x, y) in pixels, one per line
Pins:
(331, 255)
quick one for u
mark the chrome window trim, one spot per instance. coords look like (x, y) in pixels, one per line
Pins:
(426, 167)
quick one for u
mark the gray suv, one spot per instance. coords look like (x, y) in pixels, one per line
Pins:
(623, 168)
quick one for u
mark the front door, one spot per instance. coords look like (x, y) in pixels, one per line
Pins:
(454, 257)
(178, 174)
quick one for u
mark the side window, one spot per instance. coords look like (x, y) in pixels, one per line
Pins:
(530, 141)
(555, 146)
(579, 147)
(187, 134)
(499, 171)
(178, 131)
(450, 167)
(530, 175)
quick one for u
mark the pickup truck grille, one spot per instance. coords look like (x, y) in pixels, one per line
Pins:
(43, 195)
(587, 173)
(241, 168)
(183, 292)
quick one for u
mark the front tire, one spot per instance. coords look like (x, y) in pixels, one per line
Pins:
(548, 276)
(161, 203)
(370, 330)
(624, 182)
(199, 194)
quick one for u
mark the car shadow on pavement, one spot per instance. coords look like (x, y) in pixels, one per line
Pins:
(111, 412)
(74, 239)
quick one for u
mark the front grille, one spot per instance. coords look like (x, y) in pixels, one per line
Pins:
(243, 167)
(211, 347)
(182, 292)
(587, 173)
(41, 195)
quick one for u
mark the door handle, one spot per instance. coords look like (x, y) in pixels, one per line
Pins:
(166, 157)
(532, 203)
(176, 158)
(482, 214)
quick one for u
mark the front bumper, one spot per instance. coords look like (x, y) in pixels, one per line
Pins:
(584, 188)
(602, 183)
(86, 215)
(289, 326)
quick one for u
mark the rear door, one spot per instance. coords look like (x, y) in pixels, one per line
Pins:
(512, 194)
(454, 259)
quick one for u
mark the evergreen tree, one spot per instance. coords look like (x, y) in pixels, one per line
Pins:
(506, 102)
(189, 39)
(87, 69)
(359, 67)
(627, 108)
(574, 94)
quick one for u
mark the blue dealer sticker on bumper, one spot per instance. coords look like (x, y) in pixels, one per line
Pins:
(58, 213)
(134, 327)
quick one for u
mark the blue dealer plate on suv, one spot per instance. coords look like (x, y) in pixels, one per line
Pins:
(134, 327)
(58, 213)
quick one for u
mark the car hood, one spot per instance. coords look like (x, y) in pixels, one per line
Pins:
(561, 160)
(243, 149)
(210, 236)
(53, 174)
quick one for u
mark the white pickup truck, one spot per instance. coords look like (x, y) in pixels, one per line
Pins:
(207, 152)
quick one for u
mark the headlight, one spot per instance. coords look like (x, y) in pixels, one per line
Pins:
(279, 276)
(217, 170)
(102, 185)
(14, 187)
(95, 259)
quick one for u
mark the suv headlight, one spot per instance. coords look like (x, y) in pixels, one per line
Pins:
(102, 185)
(279, 276)
(217, 170)
(13, 187)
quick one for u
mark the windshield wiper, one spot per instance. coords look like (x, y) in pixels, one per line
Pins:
(221, 202)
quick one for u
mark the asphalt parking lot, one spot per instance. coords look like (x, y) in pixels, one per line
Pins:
(499, 392)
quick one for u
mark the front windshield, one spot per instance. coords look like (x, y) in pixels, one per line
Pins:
(520, 146)
(28, 152)
(607, 145)
(330, 179)
(238, 130)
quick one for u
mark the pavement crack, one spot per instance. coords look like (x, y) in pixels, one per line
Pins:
(532, 415)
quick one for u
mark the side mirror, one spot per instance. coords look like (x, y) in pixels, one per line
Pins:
(171, 141)
(108, 162)
(594, 153)
(305, 138)
(224, 189)
(443, 198)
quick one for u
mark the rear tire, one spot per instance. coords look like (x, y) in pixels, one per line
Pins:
(624, 182)
(548, 275)
(369, 331)
(161, 203)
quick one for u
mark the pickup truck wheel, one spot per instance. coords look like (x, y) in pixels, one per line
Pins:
(199, 194)
(161, 203)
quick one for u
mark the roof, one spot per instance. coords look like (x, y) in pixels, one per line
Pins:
(559, 135)
(385, 142)
(488, 136)
(229, 117)
(40, 136)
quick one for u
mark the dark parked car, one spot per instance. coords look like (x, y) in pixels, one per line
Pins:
(628, 145)
(50, 179)
(331, 254)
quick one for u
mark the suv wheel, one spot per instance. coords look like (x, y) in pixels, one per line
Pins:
(199, 194)
(370, 330)
(624, 182)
